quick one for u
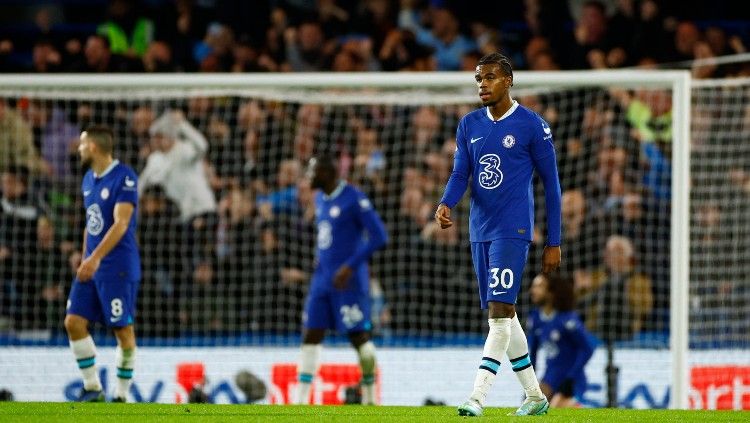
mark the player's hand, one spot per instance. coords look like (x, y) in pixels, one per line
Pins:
(550, 259)
(546, 390)
(341, 279)
(443, 216)
(87, 269)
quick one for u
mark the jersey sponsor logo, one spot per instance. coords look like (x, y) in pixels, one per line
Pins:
(491, 177)
(364, 204)
(546, 128)
(325, 235)
(129, 182)
(509, 141)
(105, 193)
(335, 211)
(473, 140)
(94, 220)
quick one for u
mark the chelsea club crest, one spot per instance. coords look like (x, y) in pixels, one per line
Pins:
(509, 141)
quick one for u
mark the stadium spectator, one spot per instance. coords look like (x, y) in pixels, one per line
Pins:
(282, 200)
(176, 163)
(444, 38)
(55, 136)
(619, 298)
(158, 58)
(98, 58)
(16, 140)
(43, 291)
(128, 33)
(45, 57)
(20, 211)
(159, 238)
(307, 49)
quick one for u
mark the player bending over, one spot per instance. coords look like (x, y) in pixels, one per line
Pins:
(498, 148)
(556, 328)
(106, 283)
(339, 296)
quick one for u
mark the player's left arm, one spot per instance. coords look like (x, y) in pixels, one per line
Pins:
(545, 163)
(580, 339)
(377, 237)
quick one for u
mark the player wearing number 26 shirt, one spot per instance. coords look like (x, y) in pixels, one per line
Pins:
(349, 232)
(499, 147)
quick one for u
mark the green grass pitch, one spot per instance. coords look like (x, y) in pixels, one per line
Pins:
(141, 413)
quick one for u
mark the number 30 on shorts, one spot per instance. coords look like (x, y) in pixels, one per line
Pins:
(505, 279)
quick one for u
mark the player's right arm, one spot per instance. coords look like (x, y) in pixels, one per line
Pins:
(458, 181)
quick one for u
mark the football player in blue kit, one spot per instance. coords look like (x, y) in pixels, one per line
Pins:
(555, 328)
(107, 280)
(498, 147)
(349, 231)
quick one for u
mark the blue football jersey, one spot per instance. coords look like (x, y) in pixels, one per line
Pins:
(348, 232)
(565, 342)
(499, 157)
(117, 184)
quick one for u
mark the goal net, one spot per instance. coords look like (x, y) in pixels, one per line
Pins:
(226, 263)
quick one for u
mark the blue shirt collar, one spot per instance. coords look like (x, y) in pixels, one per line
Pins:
(336, 192)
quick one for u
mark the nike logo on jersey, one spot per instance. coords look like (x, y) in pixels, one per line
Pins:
(498, 292)
(129, 182)
(86, 193)
(473, 140)
(115, 319)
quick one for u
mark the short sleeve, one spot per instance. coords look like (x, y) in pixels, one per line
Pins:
(127, 191)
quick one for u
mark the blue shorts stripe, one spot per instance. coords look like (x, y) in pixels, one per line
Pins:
(124, 373)
(305, 377)
(85, 363)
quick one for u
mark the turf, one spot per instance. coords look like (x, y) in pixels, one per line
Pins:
(84, 413)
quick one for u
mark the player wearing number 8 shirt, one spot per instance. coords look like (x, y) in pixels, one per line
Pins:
(107, 280)
(498, 148)
(339, 296)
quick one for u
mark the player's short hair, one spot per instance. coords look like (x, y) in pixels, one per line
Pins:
(500, 60)
(103, 137)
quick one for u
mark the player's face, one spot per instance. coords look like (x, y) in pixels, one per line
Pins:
(84, 150)
(539, 291)
(492, 82)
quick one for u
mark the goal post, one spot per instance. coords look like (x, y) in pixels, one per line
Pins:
(400, 95)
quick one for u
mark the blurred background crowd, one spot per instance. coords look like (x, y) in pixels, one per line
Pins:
(226, 221)
(367, 35)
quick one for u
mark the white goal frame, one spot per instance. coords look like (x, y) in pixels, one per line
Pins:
(678, 81)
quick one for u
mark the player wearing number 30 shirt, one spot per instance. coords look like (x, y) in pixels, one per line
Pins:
(498, 147)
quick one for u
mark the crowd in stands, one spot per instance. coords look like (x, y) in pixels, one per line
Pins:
(226, 219)
(367, 35)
